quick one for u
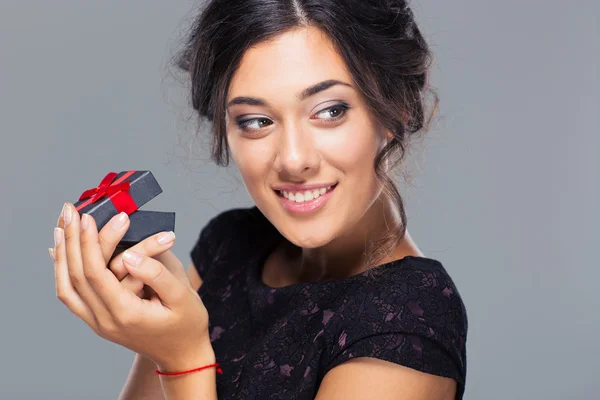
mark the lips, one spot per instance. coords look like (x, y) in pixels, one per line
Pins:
(300, 196)
(304, 206)
(303, 188)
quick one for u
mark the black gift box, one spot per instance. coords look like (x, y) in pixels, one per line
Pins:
(144, 224)
(127, 191)
(143, 188)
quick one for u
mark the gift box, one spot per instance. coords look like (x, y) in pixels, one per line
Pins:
(144, 224)
(127, 191)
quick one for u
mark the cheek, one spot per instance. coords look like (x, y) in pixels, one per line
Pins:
(253, 160)
(352, 150)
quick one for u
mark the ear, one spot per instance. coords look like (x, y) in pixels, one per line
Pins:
(388, 135)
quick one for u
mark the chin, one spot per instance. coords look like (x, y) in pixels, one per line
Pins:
(310, 241)
(306, 231)
(305, 234)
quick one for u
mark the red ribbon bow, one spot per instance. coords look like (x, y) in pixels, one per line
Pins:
(117, 192)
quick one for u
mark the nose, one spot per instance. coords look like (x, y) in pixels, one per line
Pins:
(297, 155)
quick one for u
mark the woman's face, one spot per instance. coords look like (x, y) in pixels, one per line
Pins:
(285, 139)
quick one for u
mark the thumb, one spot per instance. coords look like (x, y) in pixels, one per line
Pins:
(172, 263)
(154, 274)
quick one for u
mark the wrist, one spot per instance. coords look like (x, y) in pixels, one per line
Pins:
(195, 359)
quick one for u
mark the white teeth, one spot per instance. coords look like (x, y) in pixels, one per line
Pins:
(308, 195)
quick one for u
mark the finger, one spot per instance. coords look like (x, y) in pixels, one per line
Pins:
(102, 281)
(154, 274)
(116, 265)
(173, 264)
(60, 222)
(134, 285)
(127, 281)
(111, 234)
(65, 291)
(152, 246)
(75, 263)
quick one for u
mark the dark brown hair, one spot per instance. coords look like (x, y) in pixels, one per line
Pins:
(379, 40)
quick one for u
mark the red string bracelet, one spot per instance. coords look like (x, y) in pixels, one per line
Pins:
(219, 370)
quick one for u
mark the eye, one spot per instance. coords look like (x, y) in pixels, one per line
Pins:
(333, 113)
(253, 123)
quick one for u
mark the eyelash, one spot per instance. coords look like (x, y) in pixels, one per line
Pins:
(243, 124)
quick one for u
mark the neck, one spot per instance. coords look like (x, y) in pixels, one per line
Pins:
(346, 255)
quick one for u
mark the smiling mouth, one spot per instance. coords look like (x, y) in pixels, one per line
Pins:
(305, 196)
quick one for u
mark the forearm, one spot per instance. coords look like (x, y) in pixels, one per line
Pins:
(195, 385)
(142, 382)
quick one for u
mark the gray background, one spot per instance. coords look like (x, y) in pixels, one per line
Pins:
(505, 189)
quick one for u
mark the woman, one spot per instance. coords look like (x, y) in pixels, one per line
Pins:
(318, 291)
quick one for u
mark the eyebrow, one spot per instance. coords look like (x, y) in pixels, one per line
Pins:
(309, 91)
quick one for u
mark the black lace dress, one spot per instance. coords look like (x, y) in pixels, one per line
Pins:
(278, 343)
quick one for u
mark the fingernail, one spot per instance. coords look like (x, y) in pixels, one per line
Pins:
(85, 221)
(58, 235)
(66, 214)
(132, 257)
(51, 251)
(118, 221)
(166, 237)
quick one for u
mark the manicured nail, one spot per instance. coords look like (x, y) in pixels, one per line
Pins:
(51, 251)
(131, 257)
(58, 235)
(166, 237)
(85, 221)
(118, 221)
(66, 214)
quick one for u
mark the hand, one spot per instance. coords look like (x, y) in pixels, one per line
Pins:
(150, 248)
(171, 328)
(110, 236)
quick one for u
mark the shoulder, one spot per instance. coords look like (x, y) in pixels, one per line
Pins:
(428, 297)
(414, 294)
(411, 314)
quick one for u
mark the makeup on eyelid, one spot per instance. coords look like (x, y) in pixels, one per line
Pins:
(243, 123)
